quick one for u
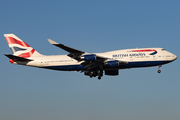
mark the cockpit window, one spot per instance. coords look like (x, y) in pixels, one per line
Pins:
(163, 49)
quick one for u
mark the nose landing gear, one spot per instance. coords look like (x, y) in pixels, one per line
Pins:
(159, 69)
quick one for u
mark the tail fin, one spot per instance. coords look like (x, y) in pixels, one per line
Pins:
(19, 47)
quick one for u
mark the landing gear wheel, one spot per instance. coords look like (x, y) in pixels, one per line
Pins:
(90, 76)
(159, 71)
(100, 74)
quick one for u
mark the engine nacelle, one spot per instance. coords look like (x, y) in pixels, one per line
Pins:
(112, 72)
(114, 63)
(91, 57)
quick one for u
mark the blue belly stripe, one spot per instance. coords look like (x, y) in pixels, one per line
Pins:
(129, 65)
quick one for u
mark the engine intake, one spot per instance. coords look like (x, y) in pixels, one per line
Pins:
(91, 57)
(114, 63)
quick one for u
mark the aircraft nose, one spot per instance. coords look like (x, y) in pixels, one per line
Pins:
(175, 57)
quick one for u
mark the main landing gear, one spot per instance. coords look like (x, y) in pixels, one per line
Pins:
(100, 74)
(94, 74)
(159, 71)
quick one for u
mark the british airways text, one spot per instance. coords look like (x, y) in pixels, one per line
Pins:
(129, 55)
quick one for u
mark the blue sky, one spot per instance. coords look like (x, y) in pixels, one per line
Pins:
(28, 93)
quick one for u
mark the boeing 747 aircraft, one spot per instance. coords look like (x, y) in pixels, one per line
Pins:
(92, 64)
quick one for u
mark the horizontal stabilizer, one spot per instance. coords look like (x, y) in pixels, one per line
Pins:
(17, 58)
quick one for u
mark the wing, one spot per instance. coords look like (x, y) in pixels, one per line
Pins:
(90, 61)
(74, 53)
(66, 48)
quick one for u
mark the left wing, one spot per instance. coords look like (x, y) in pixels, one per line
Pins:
(66, 48)
(74, 53)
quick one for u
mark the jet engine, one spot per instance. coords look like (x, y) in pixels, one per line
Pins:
(91, 57)
(114, 63)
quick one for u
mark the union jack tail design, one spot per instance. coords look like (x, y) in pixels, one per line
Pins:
(20, 48)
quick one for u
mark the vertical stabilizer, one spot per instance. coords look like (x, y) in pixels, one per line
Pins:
(19, 47)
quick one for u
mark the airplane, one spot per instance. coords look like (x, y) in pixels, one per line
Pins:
(92, 64)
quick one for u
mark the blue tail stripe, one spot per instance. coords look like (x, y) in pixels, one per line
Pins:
(17, 49)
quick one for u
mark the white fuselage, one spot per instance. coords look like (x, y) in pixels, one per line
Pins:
(134, 58)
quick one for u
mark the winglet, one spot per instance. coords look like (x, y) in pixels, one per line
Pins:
(52, 42)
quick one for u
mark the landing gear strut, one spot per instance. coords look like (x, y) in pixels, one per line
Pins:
(94, 74)
(91, 74)
(159, 71)
(100, 74)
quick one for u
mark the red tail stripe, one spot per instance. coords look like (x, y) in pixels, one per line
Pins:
(24, 55)
(27, 55)
(11, 40)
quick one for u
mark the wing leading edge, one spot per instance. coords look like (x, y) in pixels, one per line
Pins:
(74, 53)
(66, 48)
